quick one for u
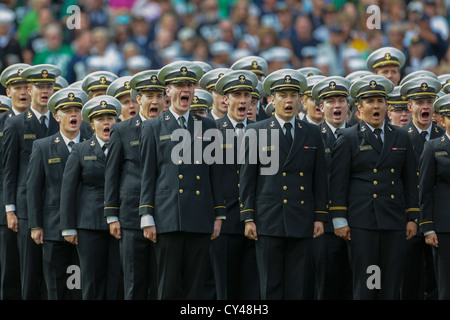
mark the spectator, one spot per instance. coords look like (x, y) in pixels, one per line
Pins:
(106, 50)
(334, 50)
(30, 22)
(56, 52)
(36, 42)
(209, 20)
(303, 35)
(77, 68)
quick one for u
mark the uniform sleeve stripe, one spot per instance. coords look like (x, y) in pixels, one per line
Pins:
(146, 206)
(412, 209)
(247, 210)
(321, 211)
(112, 208)
(218, 207)
(338, 208)
(425, 222)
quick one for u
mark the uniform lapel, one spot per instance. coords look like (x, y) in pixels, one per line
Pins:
(59, 147)
(32, 123)
(95, 148)
(300, 133)
(369, 136)
(390, 137)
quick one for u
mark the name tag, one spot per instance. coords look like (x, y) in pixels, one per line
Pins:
(90, 158)
(1, 134)
(54, 160)
(365, 148)
(268, 148)
(134, 143)
(327, 150)
(166, 137)
(30, 136)
(227, 146)
(440, 153)
(309, 148)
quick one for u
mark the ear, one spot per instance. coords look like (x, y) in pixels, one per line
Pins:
(8, 92)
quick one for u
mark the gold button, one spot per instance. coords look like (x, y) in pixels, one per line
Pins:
(417, 173)
(392, 170)
(180, 161)
(375, 195)
(239, 185)
(285, 201)
(284, 188)
(181, 190)
(302, 202)
(237, 171)
(301, 174)
(393, 182)
(198, 177)
(197, 192)
(180, 176)
(284, 174)
(392, 196)
(375, 182)
(302, 188)
(197, 162)
(375, 170)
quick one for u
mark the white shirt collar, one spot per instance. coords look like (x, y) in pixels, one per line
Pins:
(427, 130)
(67, 140)
(100, 141)
(372, 128)
(234, 122)
(282, 122)
(333, 128)
(38, 114)
(176, 115)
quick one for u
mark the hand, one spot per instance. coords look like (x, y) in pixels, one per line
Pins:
(411, 230)
(150, 233)
(432, 240)
(114, 230)
(73, 239)
(343, 233)
(250, 230)
(38, 235)
(13, 222)
(217, 228)
(318, 229)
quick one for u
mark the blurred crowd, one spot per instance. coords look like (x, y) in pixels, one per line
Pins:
(128, 36)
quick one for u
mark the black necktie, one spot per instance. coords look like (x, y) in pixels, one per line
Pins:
(70, 144)
(105, 146)
(424, 135)
(43, 125)
(377, 133)
(288, 134)
(239, 126)
(182, 122)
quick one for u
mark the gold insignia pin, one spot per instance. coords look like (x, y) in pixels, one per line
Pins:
(254, 64)
(195, 100)
(29, 115)
(102, 80)
(103, 104)
(44, 73)
(373, 84)
(424, 86)
(332, 85)
(242, 78)
(410, 130)
(287, 79)
(387, 56)
(153, 79)
(272, 124)
(127, 85)
(167, 117)
(92, 143)
(183, 71)
(57, 140)
(71, 96)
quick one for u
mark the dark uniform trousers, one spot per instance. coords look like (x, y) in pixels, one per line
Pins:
(375, 188)
(122, 191)
(98, 251)
(233, 255)
(184, 199)
(18, 137)
(420, 279)
(434, 204)
(331, 258)
(10, 286)
(45, 172)
(284, 203)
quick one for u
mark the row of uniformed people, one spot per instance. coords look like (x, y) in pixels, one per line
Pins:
(190, 79)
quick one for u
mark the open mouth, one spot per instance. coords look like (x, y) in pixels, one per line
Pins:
(153, 112)
(184, 99)
(318, 111)
(44, 98)
(337, 113)
(242, 111)
(425, 115)
(133, 113)
(288, 109)
(73, 122)
(376, 115)
(106, 131)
